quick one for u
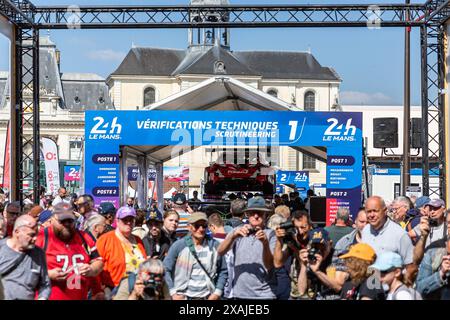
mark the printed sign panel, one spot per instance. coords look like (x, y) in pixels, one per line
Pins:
(71, 173)
(297, 179)
(176, 174)
(340, 132)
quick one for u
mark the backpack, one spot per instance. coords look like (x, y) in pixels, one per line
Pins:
(415, 294)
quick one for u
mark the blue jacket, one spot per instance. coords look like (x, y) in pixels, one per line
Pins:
(179, 263)
(429, 282)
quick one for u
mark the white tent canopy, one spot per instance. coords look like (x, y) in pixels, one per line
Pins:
(222, 93)
(168, 194)
(219, 93)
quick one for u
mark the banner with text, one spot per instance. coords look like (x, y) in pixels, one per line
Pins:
(340, 132)
(50, 153)
(298, 180)
(71, 173)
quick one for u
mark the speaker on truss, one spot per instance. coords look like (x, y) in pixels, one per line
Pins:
(416, 133)
(385, 133)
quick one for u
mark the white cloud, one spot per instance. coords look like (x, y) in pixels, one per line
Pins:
(106, 55)
(364, 98)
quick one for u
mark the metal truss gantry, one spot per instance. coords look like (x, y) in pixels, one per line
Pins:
(432, 34)
(230, 16)
(29, 19)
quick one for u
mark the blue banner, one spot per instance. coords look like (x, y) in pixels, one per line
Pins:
(340, 132)
(294, 179)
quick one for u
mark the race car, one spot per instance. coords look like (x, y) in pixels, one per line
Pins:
(238, 172)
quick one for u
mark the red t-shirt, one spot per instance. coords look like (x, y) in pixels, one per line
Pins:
(65, 255)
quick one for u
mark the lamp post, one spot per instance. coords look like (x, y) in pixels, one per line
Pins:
(406, 178)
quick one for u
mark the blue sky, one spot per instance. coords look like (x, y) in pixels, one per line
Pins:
(370, 62)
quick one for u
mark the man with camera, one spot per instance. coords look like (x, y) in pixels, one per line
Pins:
(253, 246)
(292, 236)
(433, 280)
(313, 279)
(431, 228)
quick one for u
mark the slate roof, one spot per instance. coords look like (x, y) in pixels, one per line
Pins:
(201, 60)
(85, 92)
(150, 61)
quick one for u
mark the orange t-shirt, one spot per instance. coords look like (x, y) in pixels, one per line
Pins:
(110, 249)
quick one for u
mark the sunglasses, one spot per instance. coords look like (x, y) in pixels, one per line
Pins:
(253, 213)
(196, 226)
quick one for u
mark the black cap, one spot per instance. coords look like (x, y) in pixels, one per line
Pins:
(107, 208)
(179, 198)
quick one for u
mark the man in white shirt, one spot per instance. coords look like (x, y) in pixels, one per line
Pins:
(62, 197)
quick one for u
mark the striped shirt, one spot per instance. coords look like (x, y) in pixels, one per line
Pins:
(197, 285)
(182, 229)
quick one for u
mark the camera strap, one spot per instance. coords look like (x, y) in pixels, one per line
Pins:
(14, 266)
(190, 244)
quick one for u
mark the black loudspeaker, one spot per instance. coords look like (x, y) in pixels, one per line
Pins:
(416, 133)
(385, 133)
(318, 209)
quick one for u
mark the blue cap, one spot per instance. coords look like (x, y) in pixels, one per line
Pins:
(44, 216)
(154, 216)
(387, 261)
(421, 201)
(318, 236)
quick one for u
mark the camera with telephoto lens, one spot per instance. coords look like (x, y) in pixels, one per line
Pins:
(291, 233)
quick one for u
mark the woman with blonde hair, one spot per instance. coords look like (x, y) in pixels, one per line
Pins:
(359, 285)
(283, 211)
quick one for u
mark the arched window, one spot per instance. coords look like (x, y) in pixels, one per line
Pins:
(273, 92)
(310, 101)
(149, 96)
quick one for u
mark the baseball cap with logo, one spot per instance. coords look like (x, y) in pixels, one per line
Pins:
(197, 216)
(63, 211)
(126, 211)
(436, 203)
(388, 260)
(360, 251)
(318, 236)
(154, 216)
